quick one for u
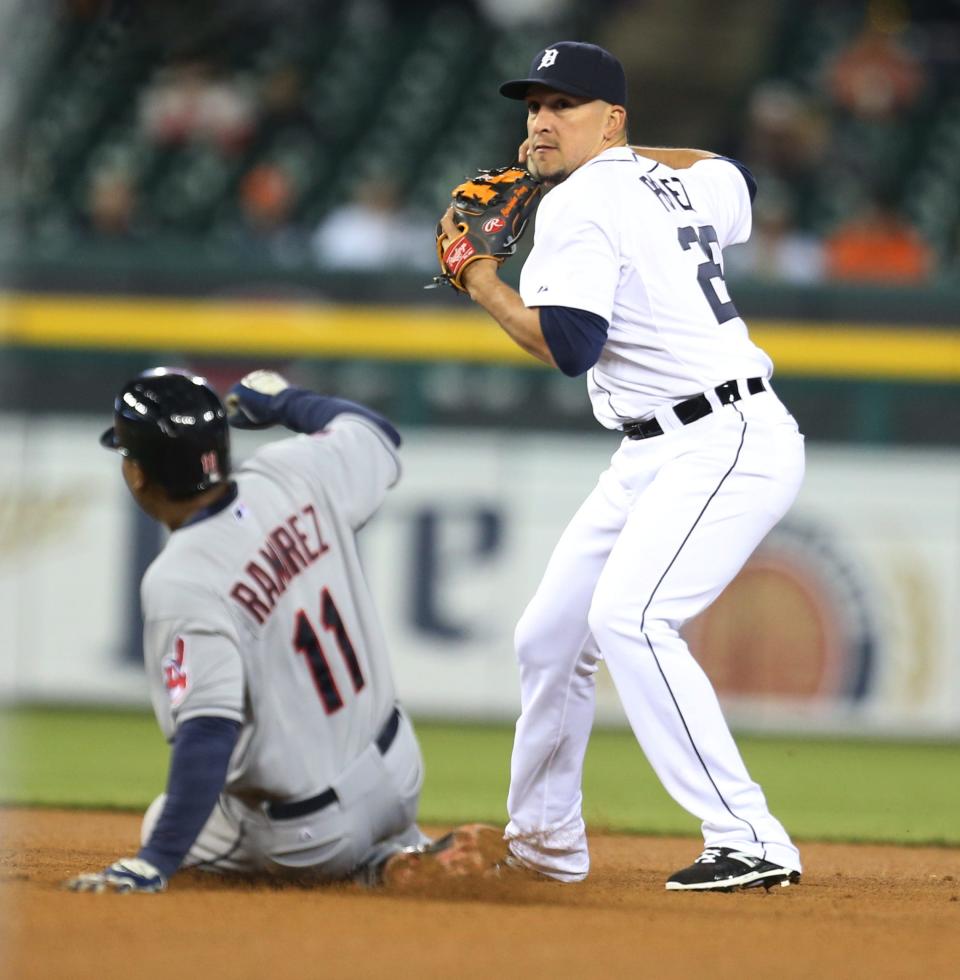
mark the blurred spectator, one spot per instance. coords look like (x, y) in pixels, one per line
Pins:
(87, 9)
(787, 134)
(373, 232)
(185, 102)
(875, 77)
(267, 197)
(111, 203)
(777, 250)
(510, 13)
(281, 95)
(878, 245)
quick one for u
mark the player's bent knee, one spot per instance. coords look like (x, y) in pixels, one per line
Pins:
(545, 643)
(606, 619)
(537, 652)
(614, 619)
(528, 638)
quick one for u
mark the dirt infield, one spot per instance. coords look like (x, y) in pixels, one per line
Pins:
(861, 911)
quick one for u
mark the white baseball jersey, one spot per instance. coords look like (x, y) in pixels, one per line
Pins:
(670, 522)
(666, 341)
(260, 613)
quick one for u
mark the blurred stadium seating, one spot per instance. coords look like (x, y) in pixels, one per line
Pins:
(331, 94)
(138, 123)
(195, 150)
(863, 100)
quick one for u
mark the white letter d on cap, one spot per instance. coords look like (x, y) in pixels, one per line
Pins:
(549, 57)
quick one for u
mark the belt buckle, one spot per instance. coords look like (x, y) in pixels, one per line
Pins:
(729, 392)
(693, 409)
(643, 429)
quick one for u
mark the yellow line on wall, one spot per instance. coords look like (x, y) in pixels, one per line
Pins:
(233, 327)
(253, 327)
(831, 350)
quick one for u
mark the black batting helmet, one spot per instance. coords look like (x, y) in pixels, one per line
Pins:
(173, 424)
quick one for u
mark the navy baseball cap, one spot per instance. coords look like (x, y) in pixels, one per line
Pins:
(576, 68)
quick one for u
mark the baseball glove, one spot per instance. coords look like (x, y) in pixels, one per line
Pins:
(491, 211)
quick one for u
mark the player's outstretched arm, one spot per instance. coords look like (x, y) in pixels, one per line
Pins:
(521, 323)
(198, 770)
(264, 398)
(678, 159)
(503, 303)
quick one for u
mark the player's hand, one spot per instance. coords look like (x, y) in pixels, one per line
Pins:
(449, 227)
(451, 231)
(523, 155)
(250, 402)
(123, 876)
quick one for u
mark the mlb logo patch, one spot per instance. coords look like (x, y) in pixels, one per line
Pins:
(175, 672)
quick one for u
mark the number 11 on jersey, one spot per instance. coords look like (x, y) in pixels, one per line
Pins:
(306, 641)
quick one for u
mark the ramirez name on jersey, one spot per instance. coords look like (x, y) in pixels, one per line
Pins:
(286, 552)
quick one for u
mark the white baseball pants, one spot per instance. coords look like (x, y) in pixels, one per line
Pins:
(667, 527)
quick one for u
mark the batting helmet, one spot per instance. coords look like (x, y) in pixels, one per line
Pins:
(173, 424)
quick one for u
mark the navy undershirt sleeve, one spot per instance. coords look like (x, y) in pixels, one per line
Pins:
(747, 176)
(305, 411)
(198, 769)
(575, 337)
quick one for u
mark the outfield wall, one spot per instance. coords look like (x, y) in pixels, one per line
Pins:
(846, 619)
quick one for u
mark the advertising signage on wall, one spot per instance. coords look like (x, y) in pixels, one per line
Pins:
(844, 620)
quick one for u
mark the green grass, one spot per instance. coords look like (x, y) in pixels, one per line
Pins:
(906, 792)
(74, 757)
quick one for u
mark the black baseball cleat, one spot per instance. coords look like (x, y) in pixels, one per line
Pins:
(724, 869)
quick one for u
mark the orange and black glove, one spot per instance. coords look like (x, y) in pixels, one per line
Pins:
(491, 212)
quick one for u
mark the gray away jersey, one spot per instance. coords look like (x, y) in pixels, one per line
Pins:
(261, 613)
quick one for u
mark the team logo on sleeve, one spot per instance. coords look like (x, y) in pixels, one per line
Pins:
(210, 465)
(175, 672)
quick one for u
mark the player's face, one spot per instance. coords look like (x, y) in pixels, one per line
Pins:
(565, 131)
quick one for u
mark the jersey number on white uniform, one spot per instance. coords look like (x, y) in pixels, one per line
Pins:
(706, 236)
(306, 641)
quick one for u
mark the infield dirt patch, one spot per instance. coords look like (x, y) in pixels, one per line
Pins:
(861, 911)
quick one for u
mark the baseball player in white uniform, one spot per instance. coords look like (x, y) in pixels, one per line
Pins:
(266, 662)
(625, 284)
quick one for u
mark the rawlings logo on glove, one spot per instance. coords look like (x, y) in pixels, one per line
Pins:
(491, 212)
(457, 256)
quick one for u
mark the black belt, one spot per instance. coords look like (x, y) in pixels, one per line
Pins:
(287, 811)
(694, 408)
